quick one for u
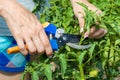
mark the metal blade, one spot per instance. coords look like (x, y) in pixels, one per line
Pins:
(75, 46)
(68, 38)
(72, 41)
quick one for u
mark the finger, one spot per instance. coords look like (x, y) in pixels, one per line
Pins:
(38, 44)
(92, 31)
(30, 45)
(98, 33)
(28, 41)
(45, 41)
(21, 46)
(105, 31)
(35, 37)
(81, 23)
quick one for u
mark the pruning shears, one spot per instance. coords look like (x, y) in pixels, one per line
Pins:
(57, 39)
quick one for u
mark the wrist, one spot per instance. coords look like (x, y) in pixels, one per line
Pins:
(4, 4)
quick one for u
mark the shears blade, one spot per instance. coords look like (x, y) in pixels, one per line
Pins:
(72, 41)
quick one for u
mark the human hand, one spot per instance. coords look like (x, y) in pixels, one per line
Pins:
(79, 13)
(25, 28)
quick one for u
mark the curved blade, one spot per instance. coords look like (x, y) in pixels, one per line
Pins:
(75, 46)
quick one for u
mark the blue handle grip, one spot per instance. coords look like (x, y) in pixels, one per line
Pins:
(51, 29)
(54, 45)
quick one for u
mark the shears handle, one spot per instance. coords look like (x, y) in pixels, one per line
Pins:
(50, 29)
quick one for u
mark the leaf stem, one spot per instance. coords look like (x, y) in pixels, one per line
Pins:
(82, 77)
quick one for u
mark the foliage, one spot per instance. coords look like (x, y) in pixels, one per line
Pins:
(99, 62)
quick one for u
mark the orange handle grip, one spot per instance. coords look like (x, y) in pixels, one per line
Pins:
(14, 49)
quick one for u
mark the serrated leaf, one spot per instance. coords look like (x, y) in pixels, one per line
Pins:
(48, 71)
(81, 57)
(63, 64)
(91, 50)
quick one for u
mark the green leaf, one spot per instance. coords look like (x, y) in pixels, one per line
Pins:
(117, 42)
(67, 48)
(105, 54)
(91, 50)
(81, 57)
(108, 42)
(35, 76)
(76, 75)
(63, 64)
(48, 71)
